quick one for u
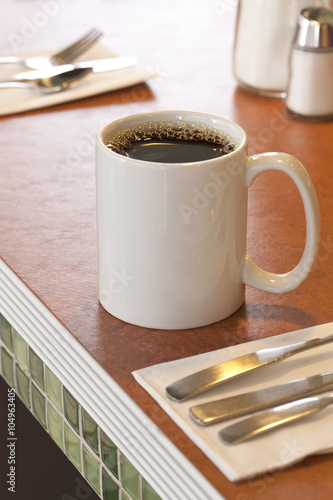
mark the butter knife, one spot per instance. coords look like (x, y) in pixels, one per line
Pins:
(269, 420)
(208, 378)
(97, 66)
(250, 402)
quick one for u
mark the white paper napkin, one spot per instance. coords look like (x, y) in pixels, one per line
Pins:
(16, 100)
(275, 450)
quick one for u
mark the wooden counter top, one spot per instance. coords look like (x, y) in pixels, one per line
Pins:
(47, 202)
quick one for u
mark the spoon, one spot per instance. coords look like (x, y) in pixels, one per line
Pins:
(55, 83)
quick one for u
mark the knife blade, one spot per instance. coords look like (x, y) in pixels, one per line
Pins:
(200, 381)
(250, 402)
(97, 66)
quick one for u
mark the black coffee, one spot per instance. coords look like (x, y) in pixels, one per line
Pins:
(171, 142)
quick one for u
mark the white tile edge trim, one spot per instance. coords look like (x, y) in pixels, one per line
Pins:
(139, 439)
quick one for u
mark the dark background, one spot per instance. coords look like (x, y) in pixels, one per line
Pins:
(43, 472)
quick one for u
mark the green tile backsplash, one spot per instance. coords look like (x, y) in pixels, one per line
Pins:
(109, 454)
(36, 368)
(147, 491)
(110, 487)
(73, 429)
(71, 410)
(89, 430)
(91, 469)
(72, 446)
(23, 386)
(38, 404)
(130, 477)
(55, 425)
(21, 350)
(7, 364)
(6, 333)
(53, 388)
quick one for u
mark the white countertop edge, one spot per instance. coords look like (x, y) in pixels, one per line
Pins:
(165, 468)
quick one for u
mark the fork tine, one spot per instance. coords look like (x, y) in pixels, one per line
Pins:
(80, 46)
(85, 45)
(77, 48)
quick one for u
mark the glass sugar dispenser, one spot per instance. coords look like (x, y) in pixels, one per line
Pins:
(263, 38)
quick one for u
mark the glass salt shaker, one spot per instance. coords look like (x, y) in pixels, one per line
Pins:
(263, 36)
(310, 88)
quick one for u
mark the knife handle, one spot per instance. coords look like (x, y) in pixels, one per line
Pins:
(271, 419)
(10, 60)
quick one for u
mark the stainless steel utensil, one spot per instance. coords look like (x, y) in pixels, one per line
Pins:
(271, 419)
(250, 402)
(50, 85)
(59, 78)
(211, 377)
(64, 56)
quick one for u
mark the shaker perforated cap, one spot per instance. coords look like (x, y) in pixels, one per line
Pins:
(314, 29)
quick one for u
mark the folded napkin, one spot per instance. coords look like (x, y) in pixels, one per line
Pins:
(16, 100)
(271, 451)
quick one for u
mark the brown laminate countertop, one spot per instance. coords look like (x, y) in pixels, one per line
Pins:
(47, 201)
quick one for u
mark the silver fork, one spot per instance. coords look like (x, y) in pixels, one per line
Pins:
(64, 56)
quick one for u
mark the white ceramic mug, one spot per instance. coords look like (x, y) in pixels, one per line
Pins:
(172, 237)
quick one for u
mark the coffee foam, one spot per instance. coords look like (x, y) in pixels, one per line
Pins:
(172, 130)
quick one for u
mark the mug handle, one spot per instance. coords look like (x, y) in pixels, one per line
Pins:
(252, 274)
